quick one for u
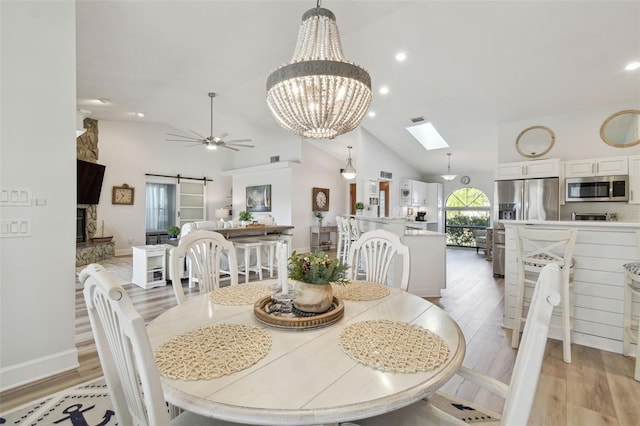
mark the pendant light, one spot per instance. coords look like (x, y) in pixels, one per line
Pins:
(319, 94)
(449, 176)
(349, 172)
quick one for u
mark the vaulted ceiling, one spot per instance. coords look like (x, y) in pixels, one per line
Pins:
(471, 65)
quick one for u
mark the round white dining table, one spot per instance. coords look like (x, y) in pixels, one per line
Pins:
(306, 378)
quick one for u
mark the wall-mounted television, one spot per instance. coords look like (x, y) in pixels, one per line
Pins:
(89, 182)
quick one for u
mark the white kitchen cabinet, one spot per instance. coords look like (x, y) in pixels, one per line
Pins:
(597, 167)
(405, 193)
(418, 193)
(149, 266)
(529, 169)
(634, 179)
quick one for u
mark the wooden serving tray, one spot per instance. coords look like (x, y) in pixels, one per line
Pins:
(260, 310)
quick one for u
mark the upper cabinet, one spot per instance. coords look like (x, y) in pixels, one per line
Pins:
(597, 167)
(372, 194)
(634, 179)
(413, 193)
(529, 169)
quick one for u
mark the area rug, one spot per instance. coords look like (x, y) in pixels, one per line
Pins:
(82, 405)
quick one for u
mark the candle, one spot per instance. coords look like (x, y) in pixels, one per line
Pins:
(282, 267)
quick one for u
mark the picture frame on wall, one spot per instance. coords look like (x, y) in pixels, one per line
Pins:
(259, 198)
(320, 199)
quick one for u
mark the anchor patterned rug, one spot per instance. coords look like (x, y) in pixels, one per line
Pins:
(82, 405)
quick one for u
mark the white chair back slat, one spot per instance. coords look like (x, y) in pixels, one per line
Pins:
(206, 252)
(124, 350)
(374, 252)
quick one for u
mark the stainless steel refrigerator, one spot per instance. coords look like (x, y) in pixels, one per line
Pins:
(523, 199)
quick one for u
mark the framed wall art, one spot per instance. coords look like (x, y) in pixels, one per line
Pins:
(320, 199)
(259, 198)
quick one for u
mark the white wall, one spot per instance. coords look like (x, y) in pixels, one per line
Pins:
(38, 152)
(129, 150)
(370, 158)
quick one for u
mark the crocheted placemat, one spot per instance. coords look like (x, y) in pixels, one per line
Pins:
(241, 294)
(394, 346)
(360, 290)
(210, 352)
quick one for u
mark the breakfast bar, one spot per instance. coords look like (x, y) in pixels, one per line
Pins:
(601, 250)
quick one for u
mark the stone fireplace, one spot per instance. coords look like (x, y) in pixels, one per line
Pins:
(87, 250)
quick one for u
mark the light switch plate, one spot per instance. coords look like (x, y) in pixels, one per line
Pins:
(15, 228)
(15, 197)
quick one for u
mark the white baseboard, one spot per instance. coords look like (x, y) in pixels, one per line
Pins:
(36, 369)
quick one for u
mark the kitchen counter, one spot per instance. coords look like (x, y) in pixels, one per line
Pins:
(427, 251)
(601, 250)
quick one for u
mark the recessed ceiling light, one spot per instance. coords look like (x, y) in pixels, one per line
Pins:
(632, 66)
(139, 114)
(401, 56)
(428, 136)
(371, 114)
(384, 90)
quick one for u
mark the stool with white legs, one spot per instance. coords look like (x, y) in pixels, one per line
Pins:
(344, 238)
(269, 249)
(631, 332)
(536, 249)
(246, 268)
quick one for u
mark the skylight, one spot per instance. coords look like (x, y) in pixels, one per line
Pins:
(428, 136)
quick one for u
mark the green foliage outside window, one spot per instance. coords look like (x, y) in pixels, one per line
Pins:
(467, 209)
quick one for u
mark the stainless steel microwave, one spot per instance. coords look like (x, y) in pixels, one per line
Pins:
(597, 188)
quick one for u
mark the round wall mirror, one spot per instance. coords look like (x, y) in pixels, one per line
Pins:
(535, 141)
(622, 129)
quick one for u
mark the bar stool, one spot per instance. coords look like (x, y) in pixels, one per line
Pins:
(344, 238)
(536, 249)
(246, 268)
(631, 332)
(269, 249)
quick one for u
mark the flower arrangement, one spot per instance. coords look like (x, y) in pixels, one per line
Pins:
(318, 214)
(316, 268)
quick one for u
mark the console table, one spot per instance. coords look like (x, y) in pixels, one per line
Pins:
(323, 237)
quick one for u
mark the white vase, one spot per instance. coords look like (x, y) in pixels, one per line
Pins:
(315, 298)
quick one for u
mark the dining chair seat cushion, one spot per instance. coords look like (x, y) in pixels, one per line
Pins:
(545, 259)
(633, 267)
(441, 410)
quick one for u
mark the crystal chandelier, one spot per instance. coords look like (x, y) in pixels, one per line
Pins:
(349, 172)
(319, 94)
(449, 176)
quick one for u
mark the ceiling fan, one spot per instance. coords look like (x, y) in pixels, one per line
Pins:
(212, 142)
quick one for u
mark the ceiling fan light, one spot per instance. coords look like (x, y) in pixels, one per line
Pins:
(318, 94)
(211, 147)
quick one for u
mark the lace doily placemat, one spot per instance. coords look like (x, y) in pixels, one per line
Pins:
(394, 346)
(210, 352)
(360, 290)
(241, 294)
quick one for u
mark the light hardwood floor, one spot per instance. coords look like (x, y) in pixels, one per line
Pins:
(596, 389)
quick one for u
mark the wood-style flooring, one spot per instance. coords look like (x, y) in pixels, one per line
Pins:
(596, 389)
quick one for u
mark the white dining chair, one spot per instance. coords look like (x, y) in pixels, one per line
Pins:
(206, 252)
(537, 248)
(126, 356)
(443, 409)
(373, 254)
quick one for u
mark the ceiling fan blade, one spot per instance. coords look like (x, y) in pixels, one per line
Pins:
(221, 136)
(185, 140)
(198, 134)
(241, 145)
(229, 147)
(238, 140)
(184, 136)
(196, 144)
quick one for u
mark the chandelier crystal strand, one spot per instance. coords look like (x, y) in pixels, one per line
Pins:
(319, 94)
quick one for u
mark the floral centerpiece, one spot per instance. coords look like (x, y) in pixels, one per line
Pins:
(313, 274)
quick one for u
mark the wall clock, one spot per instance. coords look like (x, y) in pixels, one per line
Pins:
(320, 199)
(465, 180)
(122, 195)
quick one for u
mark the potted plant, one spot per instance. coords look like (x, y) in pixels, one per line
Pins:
(319, 215)
(244, 217)
(313, 274)
(173, 232)
(359, 207)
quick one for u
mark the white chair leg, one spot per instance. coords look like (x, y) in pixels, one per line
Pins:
(517, 317)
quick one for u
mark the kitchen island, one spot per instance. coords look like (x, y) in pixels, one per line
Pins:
(427, 251)
(601, 250)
